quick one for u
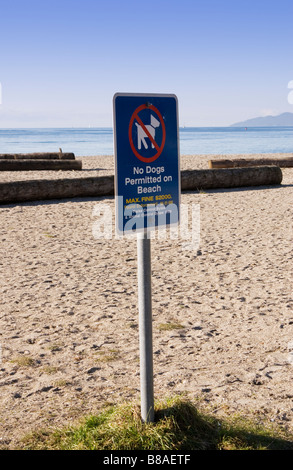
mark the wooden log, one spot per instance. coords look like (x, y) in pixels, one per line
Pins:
(6, 156)
(39, 165)
(97, 186)
(242, 162)
(230, 178)
(33, 190)
(38, 156)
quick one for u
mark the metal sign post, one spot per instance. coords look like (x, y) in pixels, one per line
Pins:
(147, 194)
(145, 326)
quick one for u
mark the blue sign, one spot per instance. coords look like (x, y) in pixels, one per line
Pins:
(147, 171)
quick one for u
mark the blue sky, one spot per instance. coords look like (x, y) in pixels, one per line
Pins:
(62, 61)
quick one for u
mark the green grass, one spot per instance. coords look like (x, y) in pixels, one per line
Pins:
(170, 326)
(178, 426)
(23, 361)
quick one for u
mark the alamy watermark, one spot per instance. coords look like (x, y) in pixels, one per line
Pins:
(290, 95)
(0, 93)
(187, 231)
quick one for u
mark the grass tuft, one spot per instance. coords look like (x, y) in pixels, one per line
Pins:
(170, 326)
(178, 426)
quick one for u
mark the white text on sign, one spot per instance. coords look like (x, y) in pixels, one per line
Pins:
(148, 179)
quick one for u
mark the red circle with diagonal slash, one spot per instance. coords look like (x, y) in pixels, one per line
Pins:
(135, 117)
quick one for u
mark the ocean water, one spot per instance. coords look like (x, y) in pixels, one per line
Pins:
(193, 140)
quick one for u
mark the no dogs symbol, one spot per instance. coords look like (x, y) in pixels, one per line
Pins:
(147, 133)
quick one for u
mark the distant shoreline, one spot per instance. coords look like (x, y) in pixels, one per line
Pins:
(282, 120)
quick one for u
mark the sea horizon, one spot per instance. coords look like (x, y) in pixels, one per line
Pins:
(197, 140)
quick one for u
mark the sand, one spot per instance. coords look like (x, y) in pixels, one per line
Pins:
(222, 311)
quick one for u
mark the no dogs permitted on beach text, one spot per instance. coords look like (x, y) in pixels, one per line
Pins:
(147, 173)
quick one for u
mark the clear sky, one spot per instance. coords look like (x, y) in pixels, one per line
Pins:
(61, 61)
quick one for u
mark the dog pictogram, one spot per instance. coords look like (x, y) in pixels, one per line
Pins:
(142, 135)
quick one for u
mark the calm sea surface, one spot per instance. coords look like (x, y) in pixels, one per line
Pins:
(193, 140)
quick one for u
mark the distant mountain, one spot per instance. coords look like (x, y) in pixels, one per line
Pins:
(284, 119)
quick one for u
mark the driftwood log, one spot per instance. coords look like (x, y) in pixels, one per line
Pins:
(191, 180)
(37, 165)
(32, 190)
(230, 178)
(38, 156)
(236, 163)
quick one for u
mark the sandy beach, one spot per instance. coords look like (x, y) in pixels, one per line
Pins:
(222, 313)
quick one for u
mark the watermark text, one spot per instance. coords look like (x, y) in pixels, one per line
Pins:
(188, 231)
